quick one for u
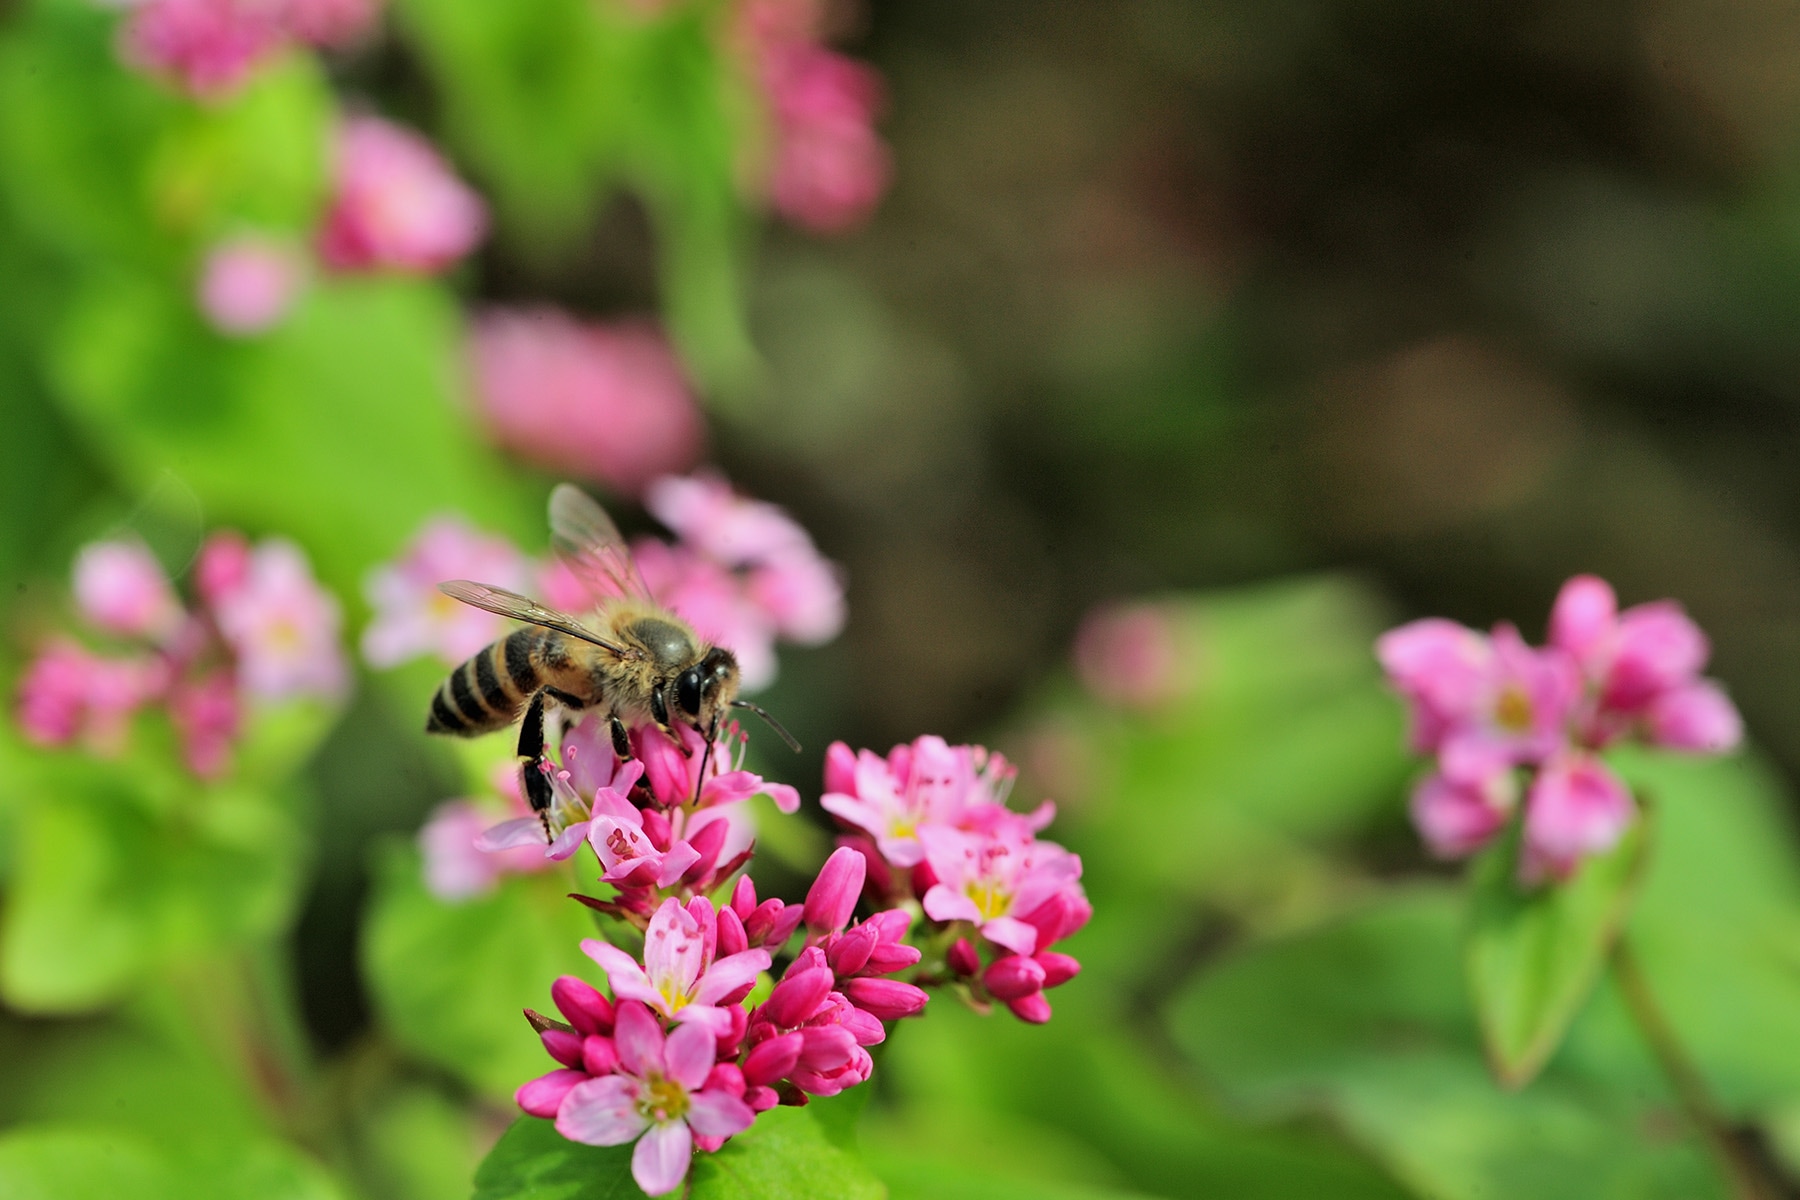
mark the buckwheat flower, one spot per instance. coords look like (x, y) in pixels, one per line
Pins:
(829, 168)
(924, 783)
(802, 595)
(679, 977)
(993, 881)
(1575, 808)
(412, 618)
(223, 566)
(569, 820)
(659, 1097)
(209, 46)
(1133, 656)
(283, 627)
(329, 24)
(207, 715)
(604, 401)
(68, 694)
(121, 588)
(395, 203)
(1458, 817)
(833, 895)
(732, 530)
(248, 283)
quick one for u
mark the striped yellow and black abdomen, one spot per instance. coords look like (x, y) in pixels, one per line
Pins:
(490, 690)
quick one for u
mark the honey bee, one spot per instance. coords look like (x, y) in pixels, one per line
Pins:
(638, 662)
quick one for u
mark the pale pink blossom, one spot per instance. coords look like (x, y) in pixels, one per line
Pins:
(121, 588)
(921, 784)
(802, 595)
(992, 881)
(731, 529)
(604, 401)
(1458, 817)
(828, 167)
(395, 203)
(248, 283)
(570, 818)
(660, 1097)
(412, 618)
(456, 867)
(679, 977)
(1575, 808)
(283, 627)
(68, 694)
(329, 23)
(210, 46)
(1697, 717)
(1471, 695)
(1442, 669)
(1133, 656)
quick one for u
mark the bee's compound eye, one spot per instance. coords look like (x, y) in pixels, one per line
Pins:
(687, 691)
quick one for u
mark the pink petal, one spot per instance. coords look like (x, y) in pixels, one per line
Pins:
(520, 831)
(567, 841)
(1698, 718)
(716, 1021)
(729, 974)
(601, 1112)
(1585, 620)
(942, 904)
(660, 1162)
(718, 1114)
(1010, 932)
(689, 1054)
(638, 1037)
(543, 1096)
(622, 971)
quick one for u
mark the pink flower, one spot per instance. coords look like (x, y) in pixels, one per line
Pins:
(1576, 808)
(607, 402)
(248, 284)
(1133, 656)
(121, 588)
(802, 595)
(660, 1097)
(329, 23)
(1698, 717)
(993, 880)
(456, 868)
(210, 46)
(673, 773)
(412, 618)
(395, 204)
(1442, 669)
(680, 978)
(572, 814)
(68, 694)
(923, 784)
(223, 566)
(1458, 817)
(730, 529)
(829, 166)
(1473, 696)
(207, 716)
(283, 627)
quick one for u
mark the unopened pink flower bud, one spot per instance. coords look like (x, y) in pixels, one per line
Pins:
(887, 999)
(541, 1097)
(773, 1059)
(1033, 1008)
(962, 957)
(657, 829)
(833, 895)
(223, 566)
(840, 769)
(743, 898)
(579, 1001)
(1013, 976)
(598, 1055)
(1698, 717)
(564, 1045)
(1058, 968)
(795, 997)
(726, 1077)
(826, 1048)
(849, 952)
(706, 843)
(732, 937)
(761, 1099)
(888, 958)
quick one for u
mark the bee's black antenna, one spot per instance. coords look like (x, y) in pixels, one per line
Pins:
(762, 712)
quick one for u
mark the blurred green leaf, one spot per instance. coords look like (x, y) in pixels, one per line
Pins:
(1533, 954)
(80, 1162)
(450, 981)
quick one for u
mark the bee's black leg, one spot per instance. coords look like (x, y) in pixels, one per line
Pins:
(659, 711)
(531, 749)
(621, 740)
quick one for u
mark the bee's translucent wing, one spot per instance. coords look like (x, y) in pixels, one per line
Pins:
(519, 608)
(588, 542)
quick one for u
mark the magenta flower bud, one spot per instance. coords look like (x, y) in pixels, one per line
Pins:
(738, 1023)
(891, 924)
(1013, 976)
(1059, 917)
(1058, 968)
(706, 843)
(657, 829)
(1583, 621)
(826, 1048)
(848, 952)
(586, 1009)
(1033, 1009)
(885, 960)
(223, 566)
(563, 1045)
(962, 957)
(1698, 717)
(887, 999)
(732, 937)
(772, 1060)
(924, 878)
(743, 898)
(598, 1055)
(840, 769)
(761, 1099)
(787, 919)
(879, 878)
(810, 959)
(726, 1077)
(834, 893)
(865, 1027)
(796, 996)
(541, 1097)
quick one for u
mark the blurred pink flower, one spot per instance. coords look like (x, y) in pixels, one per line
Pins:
(68, 694)
(660, 1096)
(455, 869)
(802, 594)
(223, 565)
(1458, 817)
(607, 402)
(283, 627)
(121, 588)
(731, 529)
(396, 205)
(412, 618)
(1133, 656)
(829, 168)
(329, 23)
(1575, 808)
(209, 46)
(248, 284)
(207, 717)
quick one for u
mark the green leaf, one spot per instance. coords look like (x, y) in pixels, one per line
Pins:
(450, 980)
(76, 1162)
(532, 1161)
(1533, 954)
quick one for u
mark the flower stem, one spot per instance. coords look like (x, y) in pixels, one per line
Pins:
(1750, 1175)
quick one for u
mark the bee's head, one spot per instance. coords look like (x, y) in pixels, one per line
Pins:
(706, 689)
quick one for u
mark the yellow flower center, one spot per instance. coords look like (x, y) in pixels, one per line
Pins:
(1512, 711)
(991, 900)
(662, 1099)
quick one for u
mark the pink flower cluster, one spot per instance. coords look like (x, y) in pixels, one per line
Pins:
(743, 574)
(828, 168)
(261, 628)
(212, 46)
(605, 401)
(931, 821)
(1492, 709)
(677, 1061)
